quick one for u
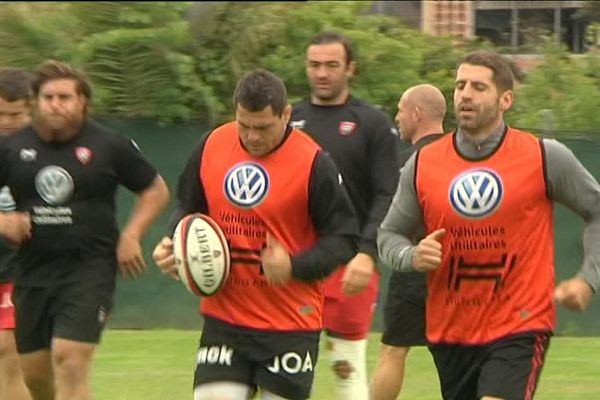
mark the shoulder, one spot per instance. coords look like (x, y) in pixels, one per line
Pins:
(367, 110)
(555, 151)
(22, 137)
(300, 106)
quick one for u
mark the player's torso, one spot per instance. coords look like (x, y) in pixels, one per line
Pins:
(248, 197)
(343, 131)
(496, 275)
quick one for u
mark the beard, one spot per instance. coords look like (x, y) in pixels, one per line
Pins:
(58, 127)
(480, 118)
(326, 95)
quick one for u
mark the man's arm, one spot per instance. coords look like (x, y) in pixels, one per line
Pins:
(336, 222)
(384, 166)
(190, 192)
(572, 185)
(402, 222)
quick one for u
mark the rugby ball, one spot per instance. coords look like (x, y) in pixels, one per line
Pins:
(201, 254)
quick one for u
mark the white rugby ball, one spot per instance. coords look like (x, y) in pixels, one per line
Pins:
(201, 254)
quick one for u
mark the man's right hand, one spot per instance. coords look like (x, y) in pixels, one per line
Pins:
(428, 253)
(164, 258)
(15, 226)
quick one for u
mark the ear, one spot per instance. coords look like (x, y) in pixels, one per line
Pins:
(506, 100)
(351, 69)
(287, 113)
(416, 114)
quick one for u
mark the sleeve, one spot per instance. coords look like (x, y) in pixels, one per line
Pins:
(190, 192)
(384, 167)
(404, 220)
(572, 185)
(134, 171)
(336, 222)
(3, 160)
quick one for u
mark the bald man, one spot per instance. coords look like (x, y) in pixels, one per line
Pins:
(420, 115)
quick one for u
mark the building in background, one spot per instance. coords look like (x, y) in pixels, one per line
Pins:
(517, 25)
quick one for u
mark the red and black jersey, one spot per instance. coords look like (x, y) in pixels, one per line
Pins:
(69, 189)
(495, 279)
(365, 146)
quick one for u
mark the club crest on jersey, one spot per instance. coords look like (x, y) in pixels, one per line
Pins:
(246, 184)
(476, 193)
(347, 128)
(84, 155)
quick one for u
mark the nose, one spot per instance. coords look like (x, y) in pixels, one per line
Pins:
(466, 92)
(321, 71)
(54, 102)
(252, 136)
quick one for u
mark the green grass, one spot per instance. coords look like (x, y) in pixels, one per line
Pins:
(158, 365)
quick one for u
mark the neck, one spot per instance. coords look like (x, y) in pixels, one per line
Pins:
(426, 130)
(482, 133)
(340, 99)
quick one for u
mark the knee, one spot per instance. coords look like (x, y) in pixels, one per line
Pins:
(394, 354)
(70, 362)
(342, 369)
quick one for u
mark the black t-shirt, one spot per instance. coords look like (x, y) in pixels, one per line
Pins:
(69, 189)
(364, 144)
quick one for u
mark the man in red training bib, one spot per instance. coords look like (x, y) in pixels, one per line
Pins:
(289, 222)
(484, 194)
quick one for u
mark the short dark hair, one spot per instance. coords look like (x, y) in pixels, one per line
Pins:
(258, 89)
(335, 37)
(502, 74)
(15, 84)
(52, 70)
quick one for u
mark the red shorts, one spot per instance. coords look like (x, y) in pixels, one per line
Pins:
(7, 309)
(349, 317)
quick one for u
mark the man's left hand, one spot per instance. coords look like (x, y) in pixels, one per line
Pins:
(129, 256)
(358, 274)
(276, 262)
(574, 294)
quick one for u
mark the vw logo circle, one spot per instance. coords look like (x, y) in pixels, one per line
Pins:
(246, 184)
(54, 185)
(476, 193)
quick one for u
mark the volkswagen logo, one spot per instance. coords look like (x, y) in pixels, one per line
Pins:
(246, 184)
(476, 193)
(54, 185)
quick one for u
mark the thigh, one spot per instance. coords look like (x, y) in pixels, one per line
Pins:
(350, 317)
(33, 320)
(458, 370)
(404, 316)
(81, 310)
(286, 363)
(7, 308)
(222, 356)
(223, 391)
(513, 366)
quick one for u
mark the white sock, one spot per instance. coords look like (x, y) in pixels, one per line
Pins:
(356, 386)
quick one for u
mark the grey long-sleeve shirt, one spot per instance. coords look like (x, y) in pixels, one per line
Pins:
(568, 183)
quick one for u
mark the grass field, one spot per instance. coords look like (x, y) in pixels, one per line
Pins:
(158, 365)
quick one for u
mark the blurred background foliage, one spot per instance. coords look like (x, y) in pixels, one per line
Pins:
(177, 61)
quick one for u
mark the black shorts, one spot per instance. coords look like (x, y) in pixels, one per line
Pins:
(280, 362)
(76, 311)
(404, 310)
(508, 368)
